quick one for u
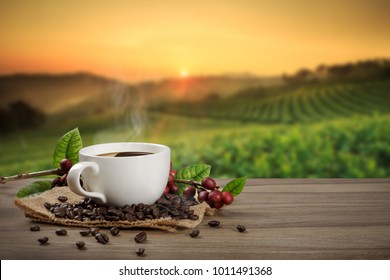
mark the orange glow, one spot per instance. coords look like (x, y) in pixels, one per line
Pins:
(137, 40)
(183, 74)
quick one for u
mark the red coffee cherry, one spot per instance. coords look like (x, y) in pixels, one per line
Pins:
(171, 179)
(227, 198)
(217, 205)
(189, 192)
(202, 196)
(209, 183)
(173, 189)
(65, 164)
(215, 196)
(173, 172)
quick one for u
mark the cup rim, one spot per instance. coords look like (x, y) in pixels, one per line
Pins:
(87, 151)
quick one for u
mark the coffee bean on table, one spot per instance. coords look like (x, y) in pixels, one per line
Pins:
(214, 223)
(94, 231)
(140, 237)
(102, 238)
(114, 231)
(80, 244)
(241, 228)
(35, 228)
(85, 232)
(43, 240)
(140, 251)
(194, 233)
(61, 231)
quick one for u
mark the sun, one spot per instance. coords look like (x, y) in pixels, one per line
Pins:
(183, 74)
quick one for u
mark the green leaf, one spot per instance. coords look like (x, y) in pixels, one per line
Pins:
(34, 188)
(194, 171)
(235, 186)
(68, 147)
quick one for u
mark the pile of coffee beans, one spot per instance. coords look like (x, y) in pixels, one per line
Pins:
(168, 206)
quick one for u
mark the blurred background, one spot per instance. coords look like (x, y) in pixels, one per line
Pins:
(258, 88)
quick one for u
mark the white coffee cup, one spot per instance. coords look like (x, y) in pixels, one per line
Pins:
(117, 181)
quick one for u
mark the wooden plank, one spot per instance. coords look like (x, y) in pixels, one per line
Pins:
(285, 219)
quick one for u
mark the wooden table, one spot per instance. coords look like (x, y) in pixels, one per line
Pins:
(285, 219)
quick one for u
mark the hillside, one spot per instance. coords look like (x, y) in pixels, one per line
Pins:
(289, 104)
(59, 93)
(51, 93)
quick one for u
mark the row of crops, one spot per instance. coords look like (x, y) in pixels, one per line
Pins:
(303, 104)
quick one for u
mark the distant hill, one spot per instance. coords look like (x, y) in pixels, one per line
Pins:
(287, 104)
(51, 93)
(59, 93)
(82, 94)
(364, 70)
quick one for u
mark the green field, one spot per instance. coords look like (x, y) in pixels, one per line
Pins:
(330, 130)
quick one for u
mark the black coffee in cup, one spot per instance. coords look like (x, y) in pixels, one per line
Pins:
(125, 154)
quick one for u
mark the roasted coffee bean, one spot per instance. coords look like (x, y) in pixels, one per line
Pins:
(61, 231)
(35, 228)
(194, 217)
(140, 251)
(140, 215)
(214, 223)
(112, 218)
(43, 240)
(60, 214)
(47, 205)
(156, 213)
(130, 217)
(194, 233)
(241, 228)
(69, 214)
(114, 212)
(94, 231)
(102, 238)
(114, 231)
(85, 232)
(175, 213)
(101, 210)
(80, 244)
(184, 216)
(79, 218)
(87, 212)
(140, 206)
(140, 237)
(62, 198)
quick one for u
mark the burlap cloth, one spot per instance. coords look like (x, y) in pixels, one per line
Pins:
(34, 209)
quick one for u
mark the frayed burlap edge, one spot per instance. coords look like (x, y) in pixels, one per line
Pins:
(34, 209)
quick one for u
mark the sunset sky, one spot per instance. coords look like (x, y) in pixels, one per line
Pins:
(139, 40)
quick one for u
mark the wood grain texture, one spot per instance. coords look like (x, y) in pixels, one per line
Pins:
(285, 219)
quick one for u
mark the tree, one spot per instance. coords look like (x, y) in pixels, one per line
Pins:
(20, 116)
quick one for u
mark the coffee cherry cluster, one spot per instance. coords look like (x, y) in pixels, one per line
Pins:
(65, 166)
(208, 191)
(171, 187)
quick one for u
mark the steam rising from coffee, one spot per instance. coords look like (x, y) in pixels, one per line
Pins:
(129, 117)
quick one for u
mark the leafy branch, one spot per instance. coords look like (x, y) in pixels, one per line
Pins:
(68, 146)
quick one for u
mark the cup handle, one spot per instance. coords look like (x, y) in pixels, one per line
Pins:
(74, 180)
